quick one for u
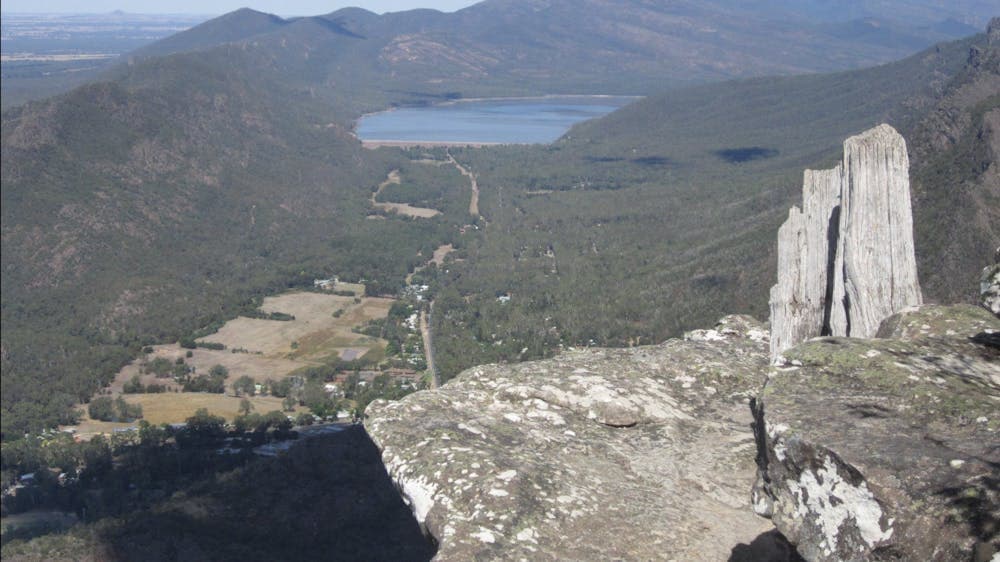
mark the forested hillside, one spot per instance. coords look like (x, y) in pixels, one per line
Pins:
(661, 217)
(138, 210)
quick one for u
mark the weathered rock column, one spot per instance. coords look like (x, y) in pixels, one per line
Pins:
(989, 286)
(875, 253)
(847, 261)
(798, 300)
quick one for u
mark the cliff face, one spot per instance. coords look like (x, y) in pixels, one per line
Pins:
(846, 261)
(955, 174)
(600, 454)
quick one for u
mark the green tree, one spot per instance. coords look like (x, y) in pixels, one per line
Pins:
(245, 385)
(151, 436)
(245, 406)
(133, 386)
(101, 408)
(203, 424)
(125, 411)
(278, 420)
(160, 366)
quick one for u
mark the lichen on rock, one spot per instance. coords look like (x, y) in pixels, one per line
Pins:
(887, 448)
(596, 454)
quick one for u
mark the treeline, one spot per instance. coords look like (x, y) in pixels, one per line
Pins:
(104, 408)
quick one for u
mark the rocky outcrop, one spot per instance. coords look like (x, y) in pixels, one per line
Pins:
(846, 261)
(596, 454)
(887, 448)
(989, 286)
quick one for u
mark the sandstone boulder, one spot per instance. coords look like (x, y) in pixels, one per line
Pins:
(597, 454)
(887, 448)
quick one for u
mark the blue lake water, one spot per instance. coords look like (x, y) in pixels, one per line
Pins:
(499, 120)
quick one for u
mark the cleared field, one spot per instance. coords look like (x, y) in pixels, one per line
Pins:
(314, 334)
(357, 288)
(440, 253)
(257, 366)
(267, 349)
(171, 407)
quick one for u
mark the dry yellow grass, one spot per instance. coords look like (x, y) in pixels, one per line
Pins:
(440, 253)
(356, 288)
(171, 407)
(316, 332)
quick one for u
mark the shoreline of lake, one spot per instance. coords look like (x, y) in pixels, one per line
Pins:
(484, 121)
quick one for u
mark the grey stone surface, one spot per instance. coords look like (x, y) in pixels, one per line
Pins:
(989, 286)
(799, 299)
(598, 454)
(875, 245)
(846, 261)
(887, 448)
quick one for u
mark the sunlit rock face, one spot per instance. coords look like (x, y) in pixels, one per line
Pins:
(596, 454)
(886, 448)
(989, 286)
(846, 261)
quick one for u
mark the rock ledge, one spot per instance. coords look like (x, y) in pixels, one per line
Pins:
(596, 454)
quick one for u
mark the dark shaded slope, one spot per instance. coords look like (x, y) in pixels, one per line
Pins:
(328, 498)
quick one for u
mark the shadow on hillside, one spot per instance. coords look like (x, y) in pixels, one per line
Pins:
(328, 498)
(746, 154)
(771, 546)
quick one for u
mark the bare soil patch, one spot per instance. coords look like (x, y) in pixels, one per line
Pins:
(401, 208)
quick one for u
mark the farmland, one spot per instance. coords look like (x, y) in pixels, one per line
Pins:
(317, 328)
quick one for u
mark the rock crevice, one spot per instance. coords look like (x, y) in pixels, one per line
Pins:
(846, 260)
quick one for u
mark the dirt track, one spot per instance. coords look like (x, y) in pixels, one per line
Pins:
(474, 201)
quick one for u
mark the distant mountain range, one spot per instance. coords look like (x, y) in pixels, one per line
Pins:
(579, 46)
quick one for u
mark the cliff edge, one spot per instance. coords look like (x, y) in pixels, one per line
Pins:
(887, 448)
(597, 454)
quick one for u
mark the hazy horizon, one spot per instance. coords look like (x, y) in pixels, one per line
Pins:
(217, 7)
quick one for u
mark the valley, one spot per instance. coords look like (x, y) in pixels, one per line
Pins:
(203, 236)
(293, 338)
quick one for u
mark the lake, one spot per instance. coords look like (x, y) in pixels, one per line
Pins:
(487, 121)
